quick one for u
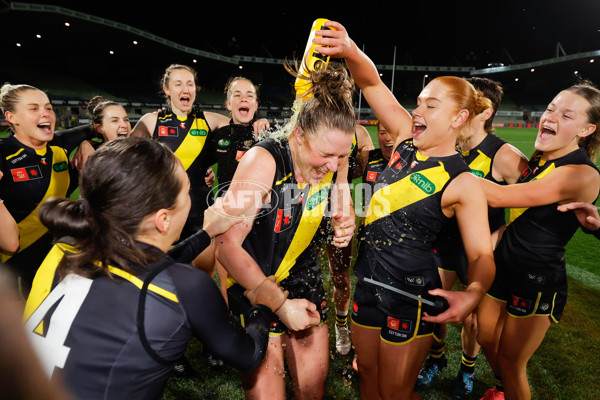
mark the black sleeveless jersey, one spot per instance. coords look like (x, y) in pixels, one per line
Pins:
(189, 138)
(449, 247)
(353, 157)
(375, 165)
(87, 331)
(405, 217)
(29, 178)
(481, 161)
(282, 238)
(230, 143)
(536, 236)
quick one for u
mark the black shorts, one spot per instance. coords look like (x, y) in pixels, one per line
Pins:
(452, 258)
(397, 327)
(305, 283)
(530, 293)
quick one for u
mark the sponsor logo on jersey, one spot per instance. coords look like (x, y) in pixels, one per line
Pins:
(422, 183)
(60, 166)
(168, 131)
(198, 132)
(414, 280)
(396, 324)
(317, 198)
(520, 304)
(26, 173)
(372, 176)
(539, 279)
(224, 143)
(283, 220)
(477, 173)
(239, 154)
(394, 158)
(354, 306)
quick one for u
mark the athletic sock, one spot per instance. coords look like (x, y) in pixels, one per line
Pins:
(499, 385)
(437, 351)
(467, 364)
(341, 318)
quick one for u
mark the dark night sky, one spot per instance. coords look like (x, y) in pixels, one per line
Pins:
(459, 33)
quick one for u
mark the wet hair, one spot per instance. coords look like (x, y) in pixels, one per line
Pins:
(465, 97)
(116, 196)
(96, 108)
(587, 90)
(492, 90)
(330, 103)
(233, 80)
(10, 95)
(164, 81)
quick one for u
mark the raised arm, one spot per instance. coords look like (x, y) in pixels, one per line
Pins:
(337, 43)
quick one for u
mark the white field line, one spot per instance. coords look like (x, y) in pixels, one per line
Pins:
(587, 278)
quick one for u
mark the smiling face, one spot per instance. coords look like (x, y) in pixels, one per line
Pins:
(435, 123)
(319, 153)
(563, 123)
(115, 123)
(181, 90)
(242, 102)
(33, 119)
(386, 144)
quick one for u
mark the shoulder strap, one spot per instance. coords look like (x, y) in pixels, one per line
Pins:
(163, 264)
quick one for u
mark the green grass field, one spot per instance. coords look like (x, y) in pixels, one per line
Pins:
(562, 368)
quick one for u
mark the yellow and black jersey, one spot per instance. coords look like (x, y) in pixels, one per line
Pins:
(231, 142)
(535, 237)
(281, 239)
(481, 161)
(353, 157)
(190, 139)
(375, 165)
(404, 217)
(449, 248)
(29, 178)
(118, 336)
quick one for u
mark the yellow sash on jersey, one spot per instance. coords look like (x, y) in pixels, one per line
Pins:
(312, 215)
(480, 166)
(408, 190)
(311, 218)
(42, 283)
(30, 228)
(193, 143)
(517, 212)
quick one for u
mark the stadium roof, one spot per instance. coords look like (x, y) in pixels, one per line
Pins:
(416, 39)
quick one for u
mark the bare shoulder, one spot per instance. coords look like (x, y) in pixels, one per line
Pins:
(145, 125)
(216, 120)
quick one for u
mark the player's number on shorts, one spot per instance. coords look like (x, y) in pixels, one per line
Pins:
(71, 293)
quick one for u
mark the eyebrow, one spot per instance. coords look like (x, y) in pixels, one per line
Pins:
(428, 98)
